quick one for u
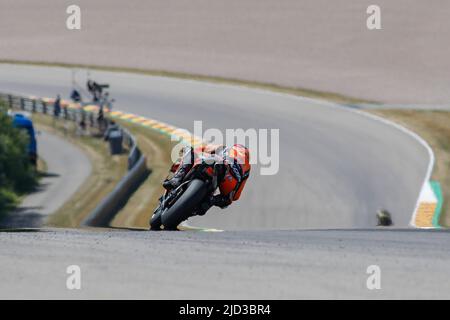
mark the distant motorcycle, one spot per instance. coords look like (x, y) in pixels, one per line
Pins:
(177, 205)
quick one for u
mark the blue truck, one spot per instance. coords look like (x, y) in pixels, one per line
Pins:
(23, 122)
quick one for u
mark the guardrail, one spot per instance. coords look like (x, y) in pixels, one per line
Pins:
(105, 211)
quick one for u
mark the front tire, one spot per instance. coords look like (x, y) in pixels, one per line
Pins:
(182, 209)
(155, 221)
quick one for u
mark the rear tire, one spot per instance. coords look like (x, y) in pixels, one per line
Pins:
(185, 205)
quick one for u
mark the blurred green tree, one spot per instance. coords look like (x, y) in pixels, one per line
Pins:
(17, 175)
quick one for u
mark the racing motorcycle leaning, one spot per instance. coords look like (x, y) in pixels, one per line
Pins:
(185, 201)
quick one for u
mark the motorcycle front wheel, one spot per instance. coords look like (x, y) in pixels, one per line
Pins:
(182, 209)
(155, 221)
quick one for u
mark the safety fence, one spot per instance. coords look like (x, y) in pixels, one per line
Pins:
(105, 211)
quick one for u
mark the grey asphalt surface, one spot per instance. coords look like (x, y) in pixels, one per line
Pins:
(229, 265)
(317, 44)
(336, 167)
(67, 168)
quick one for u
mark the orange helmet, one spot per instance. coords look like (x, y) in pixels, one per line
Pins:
(241, 155)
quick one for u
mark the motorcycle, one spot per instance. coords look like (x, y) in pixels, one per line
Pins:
(183, 202)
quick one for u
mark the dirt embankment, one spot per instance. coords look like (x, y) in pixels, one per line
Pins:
(314, 44)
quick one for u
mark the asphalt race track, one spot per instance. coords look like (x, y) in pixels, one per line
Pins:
(228, 265)
(67, 168)
(337, 168)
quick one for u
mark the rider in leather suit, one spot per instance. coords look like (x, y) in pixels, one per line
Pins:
(234, 169)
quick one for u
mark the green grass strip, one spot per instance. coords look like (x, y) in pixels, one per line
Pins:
(435, 185)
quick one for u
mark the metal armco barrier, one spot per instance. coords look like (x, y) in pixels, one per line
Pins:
(105, 211)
